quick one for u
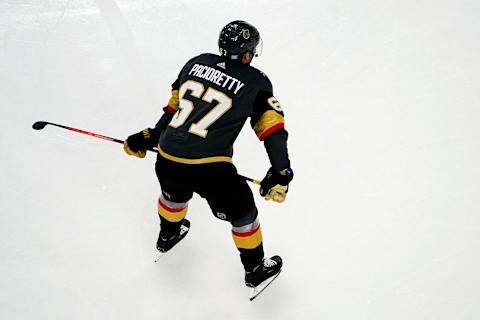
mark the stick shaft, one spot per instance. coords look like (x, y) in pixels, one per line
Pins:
(96, 135)
(100, 136)
(254, 181)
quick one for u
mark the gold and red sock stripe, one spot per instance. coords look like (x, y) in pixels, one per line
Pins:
(248, 237)
(172, 211)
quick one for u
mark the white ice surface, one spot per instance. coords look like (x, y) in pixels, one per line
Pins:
(382, 102)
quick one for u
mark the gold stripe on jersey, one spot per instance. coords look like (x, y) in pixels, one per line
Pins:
(194, 161)
(267, 123)
(174, 100)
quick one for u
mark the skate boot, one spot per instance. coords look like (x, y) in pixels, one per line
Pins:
(268, 268)
(165, 244)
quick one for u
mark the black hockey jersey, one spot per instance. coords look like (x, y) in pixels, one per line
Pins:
(211, 100)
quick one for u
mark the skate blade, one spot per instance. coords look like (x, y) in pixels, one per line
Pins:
(262, 286)
(160, 256)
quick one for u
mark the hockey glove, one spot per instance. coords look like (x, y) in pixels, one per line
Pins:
(275, 184)
(137, 144)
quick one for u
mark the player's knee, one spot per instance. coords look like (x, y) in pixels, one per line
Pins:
(248, 218)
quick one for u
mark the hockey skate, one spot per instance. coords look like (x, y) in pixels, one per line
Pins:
(264, 274)
(165, 244)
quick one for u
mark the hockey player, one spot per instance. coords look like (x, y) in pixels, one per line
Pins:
(211, 99)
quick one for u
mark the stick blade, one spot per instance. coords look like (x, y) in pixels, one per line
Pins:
(39, 125)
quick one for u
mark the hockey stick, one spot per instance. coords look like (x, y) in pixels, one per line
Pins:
(39, 125)
(254, 181)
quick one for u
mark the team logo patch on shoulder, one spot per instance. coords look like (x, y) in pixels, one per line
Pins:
(246, 34)
(273, 102)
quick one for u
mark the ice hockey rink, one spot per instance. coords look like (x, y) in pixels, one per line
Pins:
(382, 103)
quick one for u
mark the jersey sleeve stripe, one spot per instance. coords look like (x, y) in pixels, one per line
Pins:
(268, 123)
(271, 130)
(173, 102)
(170, 109)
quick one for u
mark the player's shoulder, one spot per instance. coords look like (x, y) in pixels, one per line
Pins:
(260, 78)
(251, 75)
(205, 58)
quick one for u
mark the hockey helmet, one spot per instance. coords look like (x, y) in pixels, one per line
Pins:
(238, 37)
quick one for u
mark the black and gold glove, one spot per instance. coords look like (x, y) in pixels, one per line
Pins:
(275, 184)
(137, 144)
